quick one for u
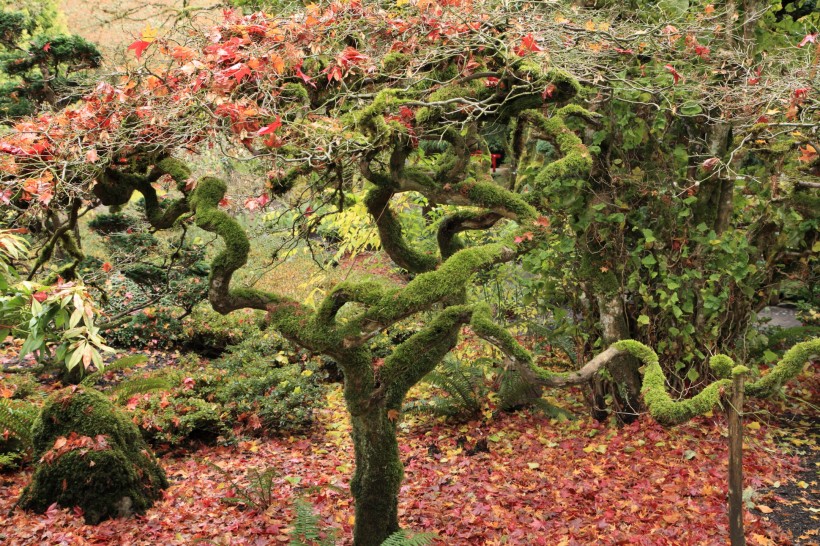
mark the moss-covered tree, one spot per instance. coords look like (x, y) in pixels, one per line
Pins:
(337, 97)
(697, 208)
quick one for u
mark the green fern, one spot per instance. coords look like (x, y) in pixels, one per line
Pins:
(10, 461)
(139, 385)
(463, 386)
(307, 529)
(401, 538)
(16, 417)
(120, 364)
(258, 494)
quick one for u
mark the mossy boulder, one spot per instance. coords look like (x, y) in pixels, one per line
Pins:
(92, 456)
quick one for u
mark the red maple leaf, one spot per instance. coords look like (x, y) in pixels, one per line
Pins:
(528, 45)
(238, 71)
(47, 47)
(307, 79)
(549, 91)
(807, 153)
(524, 237)
(270, 127)
(138, 47)
(801, 92)
(675, 74)
(351, 55)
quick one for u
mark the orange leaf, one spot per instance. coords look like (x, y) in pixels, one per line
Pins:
(392, 415)
(807, 154)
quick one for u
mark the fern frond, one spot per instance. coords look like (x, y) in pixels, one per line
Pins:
(463, 386)
(553, 411)
(401, 538)
(139, 385)
(306, 528)
(9, 461)
(120, 364)
(17, 417)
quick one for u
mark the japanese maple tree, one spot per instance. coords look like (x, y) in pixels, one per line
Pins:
(337, 96)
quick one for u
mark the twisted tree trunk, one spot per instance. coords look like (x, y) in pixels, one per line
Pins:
(376, 482)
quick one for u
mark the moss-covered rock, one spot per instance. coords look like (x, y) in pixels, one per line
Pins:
(90, 455)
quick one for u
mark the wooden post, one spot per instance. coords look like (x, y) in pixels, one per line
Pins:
(734, 413)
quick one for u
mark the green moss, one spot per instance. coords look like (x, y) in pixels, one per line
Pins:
(721, 366)
(104, 467)
(494, 197)
(789, 366)
(294, 92)
(421, 353)
(395, 61)
(662, 407)
(366, 292)
(391, 234)
(604, 282)
(112, 189)
(177, 170)
(204, 201)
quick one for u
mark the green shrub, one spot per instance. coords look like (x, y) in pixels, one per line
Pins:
(462, 387)
(272, 399)
(209, 333)
(178, 420)
(106, 224)
(153, 327)
(252, 387)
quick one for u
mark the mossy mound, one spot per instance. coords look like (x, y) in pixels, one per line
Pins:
(92, 456)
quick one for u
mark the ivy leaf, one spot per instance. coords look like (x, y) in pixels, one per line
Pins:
(643, 320)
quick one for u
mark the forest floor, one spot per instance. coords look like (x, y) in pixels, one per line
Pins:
(517, 479)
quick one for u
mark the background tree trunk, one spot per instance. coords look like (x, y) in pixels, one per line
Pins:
(626, 379)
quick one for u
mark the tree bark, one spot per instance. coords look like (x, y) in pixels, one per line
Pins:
(377, 479)
(624, 367)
